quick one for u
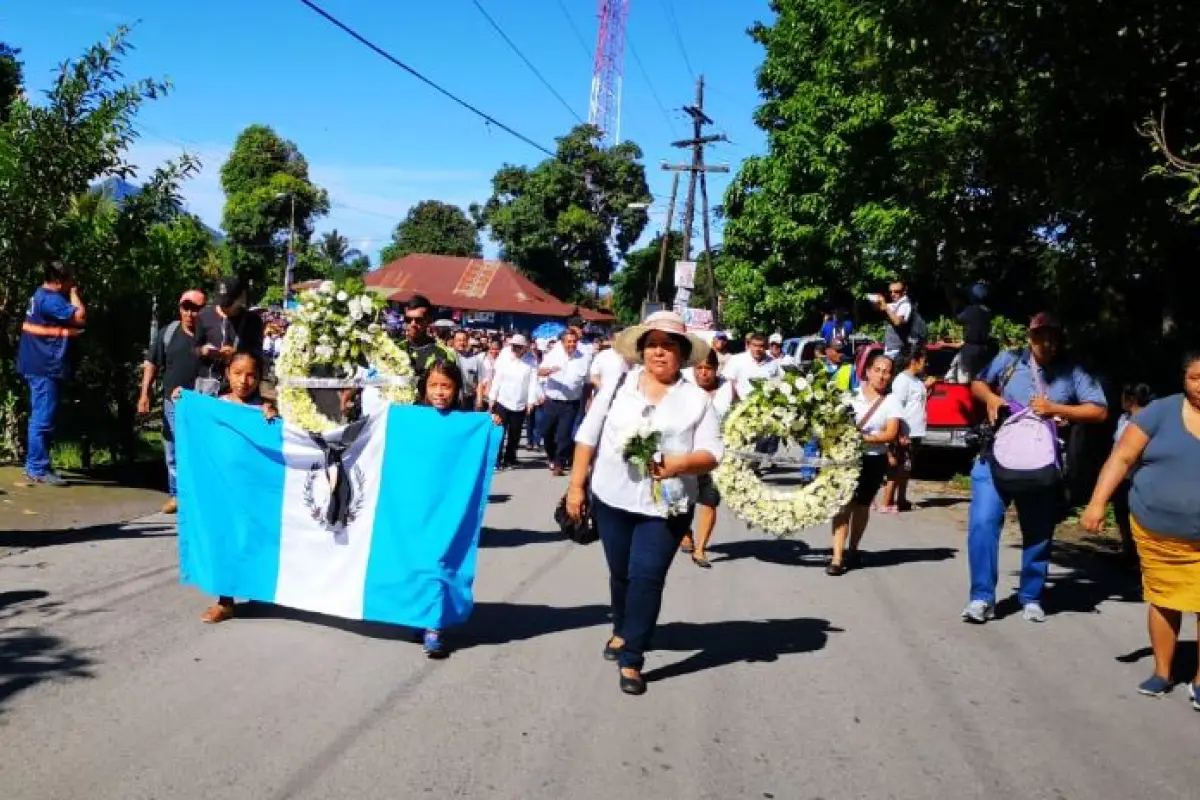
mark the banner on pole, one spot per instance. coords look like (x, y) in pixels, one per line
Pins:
(685, 274)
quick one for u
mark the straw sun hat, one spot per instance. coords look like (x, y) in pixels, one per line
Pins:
(626, 342)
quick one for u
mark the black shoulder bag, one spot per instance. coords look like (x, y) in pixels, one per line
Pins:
(583, 530)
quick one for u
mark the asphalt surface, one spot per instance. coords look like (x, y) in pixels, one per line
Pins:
(771, 681)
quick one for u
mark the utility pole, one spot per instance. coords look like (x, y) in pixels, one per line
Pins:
(666, 242)
(697, 174)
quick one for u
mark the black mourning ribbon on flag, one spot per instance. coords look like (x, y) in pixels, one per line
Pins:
(341, 493)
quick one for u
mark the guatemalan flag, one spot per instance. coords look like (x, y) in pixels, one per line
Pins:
(379, 520)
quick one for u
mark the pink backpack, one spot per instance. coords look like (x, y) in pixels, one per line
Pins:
(1025, 453)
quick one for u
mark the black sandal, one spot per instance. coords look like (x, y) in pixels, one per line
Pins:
(633, 686)
(611, 653)
(835, 570)
(701, 562)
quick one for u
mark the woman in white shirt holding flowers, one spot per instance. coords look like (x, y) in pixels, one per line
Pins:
(642, 515)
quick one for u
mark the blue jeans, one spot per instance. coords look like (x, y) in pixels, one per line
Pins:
(43, 403)
(639, 550)
(534, 425)
(1038, 514)
(169, 442)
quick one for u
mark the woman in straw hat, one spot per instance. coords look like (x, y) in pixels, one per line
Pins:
(640, 529)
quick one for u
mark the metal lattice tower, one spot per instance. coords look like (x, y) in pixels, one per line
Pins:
(604, 110)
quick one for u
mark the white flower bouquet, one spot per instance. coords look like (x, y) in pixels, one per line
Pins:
(797, 408)
(336, 330)
(640, 448)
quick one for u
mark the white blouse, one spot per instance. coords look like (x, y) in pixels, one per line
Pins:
(686, 420)
(889, 409)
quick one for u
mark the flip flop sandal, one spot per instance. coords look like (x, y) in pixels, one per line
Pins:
(701, 562)
(687, 547)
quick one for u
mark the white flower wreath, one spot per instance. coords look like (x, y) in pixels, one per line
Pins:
(336, 326)
(796, 407)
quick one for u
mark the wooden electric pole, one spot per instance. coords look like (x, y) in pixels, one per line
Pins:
(697, 175)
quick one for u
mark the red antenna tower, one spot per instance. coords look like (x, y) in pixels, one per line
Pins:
(604, 110)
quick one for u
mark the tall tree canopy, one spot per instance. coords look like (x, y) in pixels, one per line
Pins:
(952, 141)
(267, 187)
(435, 228)
(10, 78)
(568, 220)
(129, 256)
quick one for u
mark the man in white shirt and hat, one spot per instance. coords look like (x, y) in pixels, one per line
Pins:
(565, 372)
(514, 391)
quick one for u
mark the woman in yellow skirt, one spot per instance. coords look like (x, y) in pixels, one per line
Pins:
(1162, 446)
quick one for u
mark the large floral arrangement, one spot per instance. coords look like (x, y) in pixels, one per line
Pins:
(798, 408)
(336, 331)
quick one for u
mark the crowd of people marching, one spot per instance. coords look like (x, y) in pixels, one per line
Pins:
(573, 396)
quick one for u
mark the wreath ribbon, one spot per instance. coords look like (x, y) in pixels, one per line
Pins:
(341, 493)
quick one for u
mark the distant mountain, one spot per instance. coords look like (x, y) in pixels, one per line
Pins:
(119, 189)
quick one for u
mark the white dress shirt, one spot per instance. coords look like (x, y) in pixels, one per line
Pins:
(607, 366)
(721, 397)
(910, 397)
(514, 384)
(567, 383)
(889, 409)
(686, 420)
(742, 368)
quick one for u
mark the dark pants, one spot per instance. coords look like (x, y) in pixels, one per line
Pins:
(514, 421)
(639, 550)
(559, 428)
(43, 403)
(1120, 501)
(974, 358)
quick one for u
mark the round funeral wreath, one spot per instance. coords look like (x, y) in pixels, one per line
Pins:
(336, 329)
(798, 408)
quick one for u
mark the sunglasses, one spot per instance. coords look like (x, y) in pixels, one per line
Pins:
(415, 320)
(190, 307)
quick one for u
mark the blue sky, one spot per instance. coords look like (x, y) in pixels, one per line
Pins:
(374, 136)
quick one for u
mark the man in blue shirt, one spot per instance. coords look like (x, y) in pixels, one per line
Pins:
(55, 316)
(1038, 378)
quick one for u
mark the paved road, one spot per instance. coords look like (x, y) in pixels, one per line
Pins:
(772, 681)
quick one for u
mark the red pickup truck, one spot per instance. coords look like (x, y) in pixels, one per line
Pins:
(950, 409)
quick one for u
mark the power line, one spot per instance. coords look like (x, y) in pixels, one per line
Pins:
(427, 81)
(496, 26)
(637, 59)
(667, 7)
(575, 29)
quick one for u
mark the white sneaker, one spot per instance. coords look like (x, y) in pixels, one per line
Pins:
(978, 612)
(1032, 612)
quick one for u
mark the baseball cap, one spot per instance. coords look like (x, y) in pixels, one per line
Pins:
(229, 289)
(1043, 321)
(721, 335)
(193, 296)
(775, 339)
(519, 340)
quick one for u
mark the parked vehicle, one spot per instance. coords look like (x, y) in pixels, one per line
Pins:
(805, 349)
(951, 409)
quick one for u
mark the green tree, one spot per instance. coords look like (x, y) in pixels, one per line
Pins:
(434, 228)
(10, 78)
(49, 155)
(267, 190)
(946, 143)
(633, 283)
(569, 220)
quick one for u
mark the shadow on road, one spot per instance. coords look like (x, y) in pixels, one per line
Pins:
(490, 623)
(29, 656)
(1080, 581)
(1183, 666)
(723, 643)
(501, 623)
(499, 498)
(94, 533)
(790, 552)
(516, 537)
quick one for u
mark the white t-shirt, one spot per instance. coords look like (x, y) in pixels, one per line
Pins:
(608, 366)
(889, 409)
(910, 396)
(687, 423)
(742, 368)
